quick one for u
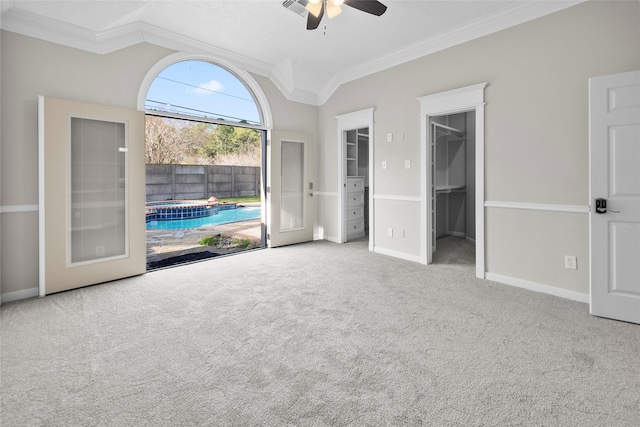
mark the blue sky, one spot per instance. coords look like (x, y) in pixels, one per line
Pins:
(207, 89)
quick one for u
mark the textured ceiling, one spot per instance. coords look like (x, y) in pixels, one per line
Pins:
(264, 37)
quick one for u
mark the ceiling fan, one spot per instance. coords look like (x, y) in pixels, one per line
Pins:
(317, 9)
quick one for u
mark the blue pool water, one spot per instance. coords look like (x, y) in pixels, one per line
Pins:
(223, 217)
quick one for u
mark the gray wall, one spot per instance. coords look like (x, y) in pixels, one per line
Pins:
(536, 136)
(536, 139)
(183, 182)
(32, 67)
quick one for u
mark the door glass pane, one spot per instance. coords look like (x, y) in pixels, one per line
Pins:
(292, 186)
(98, 193)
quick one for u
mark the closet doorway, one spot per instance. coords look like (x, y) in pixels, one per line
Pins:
(356, 176)
(356, 149)
(437, 112)
(453, 188)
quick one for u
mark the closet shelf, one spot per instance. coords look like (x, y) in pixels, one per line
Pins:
(449, 188)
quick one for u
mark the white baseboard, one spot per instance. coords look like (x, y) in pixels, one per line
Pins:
(456, 234)
(17, 295)
(319, 236)
(538, 287)
(396, 254)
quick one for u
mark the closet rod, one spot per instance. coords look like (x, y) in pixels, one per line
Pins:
(448, 129)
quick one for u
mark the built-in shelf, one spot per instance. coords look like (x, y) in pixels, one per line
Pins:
(449, 180)
(357, 164)
(356, 151)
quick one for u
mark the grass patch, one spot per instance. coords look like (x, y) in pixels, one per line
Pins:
(222, 241)
(242, 243)
(243, 199)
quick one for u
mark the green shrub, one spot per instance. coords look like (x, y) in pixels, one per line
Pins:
(211, 240)
(243, 243)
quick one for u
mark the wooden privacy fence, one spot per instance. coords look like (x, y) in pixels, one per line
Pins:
(184, 182)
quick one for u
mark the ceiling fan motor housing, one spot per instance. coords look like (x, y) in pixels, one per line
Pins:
(297, 6)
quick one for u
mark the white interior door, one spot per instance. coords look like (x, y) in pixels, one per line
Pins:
(614, 106)
(91, 194)
(290, 193)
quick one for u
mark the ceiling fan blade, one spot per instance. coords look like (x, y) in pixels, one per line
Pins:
(370, 6)
(314, 21)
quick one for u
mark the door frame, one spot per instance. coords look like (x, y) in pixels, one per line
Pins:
(462, 100)
(350, 121)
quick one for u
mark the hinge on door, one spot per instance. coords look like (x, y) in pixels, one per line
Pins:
(268, 236)
(268, 189)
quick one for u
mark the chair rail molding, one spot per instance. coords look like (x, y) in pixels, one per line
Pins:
(538, 207)
(18, 208)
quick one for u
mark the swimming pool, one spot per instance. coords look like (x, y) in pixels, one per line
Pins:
(223, 217)
(180, 209)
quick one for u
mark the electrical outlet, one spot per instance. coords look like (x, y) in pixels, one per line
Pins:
(384, 164)
(407, 164)
(570, 262)
(389, 137)
(390, 232)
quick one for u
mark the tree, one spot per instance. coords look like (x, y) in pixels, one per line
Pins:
(162, 142)
(247, 149)
(173, 141)
(229, 141)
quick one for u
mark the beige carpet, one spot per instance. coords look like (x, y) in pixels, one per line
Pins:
(318, 334)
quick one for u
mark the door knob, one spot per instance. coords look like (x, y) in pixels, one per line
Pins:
(601, 207)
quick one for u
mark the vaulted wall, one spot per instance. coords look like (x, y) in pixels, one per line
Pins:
(536, 138)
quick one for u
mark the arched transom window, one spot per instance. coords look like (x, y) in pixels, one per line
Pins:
(204, 90)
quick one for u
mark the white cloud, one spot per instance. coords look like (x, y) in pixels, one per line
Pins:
(208, 88)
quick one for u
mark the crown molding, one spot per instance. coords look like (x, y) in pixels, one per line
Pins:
(44, 28)
(114, 39)
(286, 86)
(111, 40)
(510, 18)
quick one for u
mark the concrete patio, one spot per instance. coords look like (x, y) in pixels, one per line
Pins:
(163, 244)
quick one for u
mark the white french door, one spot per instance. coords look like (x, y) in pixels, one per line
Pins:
(91, 194)
(614, 134)
(290, 189)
